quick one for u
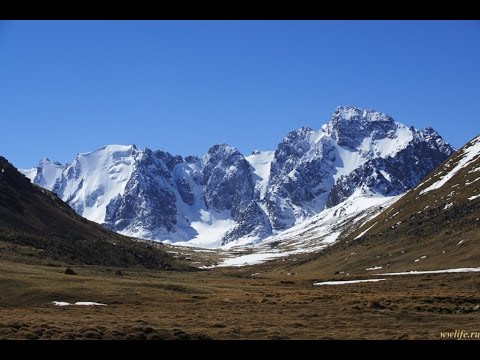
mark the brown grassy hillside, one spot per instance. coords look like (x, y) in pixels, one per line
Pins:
(438, 229)
(35, 225)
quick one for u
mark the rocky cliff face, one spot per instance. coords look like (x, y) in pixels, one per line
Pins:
(357, 149)
(227, 180)
(225, 196)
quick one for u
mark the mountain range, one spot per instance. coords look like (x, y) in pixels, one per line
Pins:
(438, 220)
(434, 226)
(37, 226)
(225, 198)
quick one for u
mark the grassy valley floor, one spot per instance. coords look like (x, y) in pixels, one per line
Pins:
(257, 302)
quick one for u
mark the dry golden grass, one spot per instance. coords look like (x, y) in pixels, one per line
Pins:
(230, 304)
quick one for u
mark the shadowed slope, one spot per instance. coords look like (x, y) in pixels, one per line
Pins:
(31, 216)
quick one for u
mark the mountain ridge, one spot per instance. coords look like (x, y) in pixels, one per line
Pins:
(434, 226)
(225, 196)
(35, 222)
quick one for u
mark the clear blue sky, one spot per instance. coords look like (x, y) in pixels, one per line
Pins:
(182, 86)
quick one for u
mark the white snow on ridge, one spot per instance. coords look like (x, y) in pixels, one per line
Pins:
(470, 153)
(348, 160)
(323, 224)
(313, 234)
(385, 175)
(261, 161)
(102, 175)
(388, 146)
(51, 172)
(365, 231)
(473, 197)
(29, 173)
(94, 178)
(470, 183)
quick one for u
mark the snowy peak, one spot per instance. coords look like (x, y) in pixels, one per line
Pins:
(107, 153)
(223, 150)
(440, 215)
(90, 182)
(225, 196)
(227, 178)
(46, 173)
(434, 139)
(351, 126)
(298, 141)
(357, 149)
(29, 173)
(47, 162)
(353, 114)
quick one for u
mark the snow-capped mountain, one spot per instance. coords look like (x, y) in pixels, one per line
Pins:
(435, 225)
(357, 149)
(448, 199)
(36, 219)
(225, 196)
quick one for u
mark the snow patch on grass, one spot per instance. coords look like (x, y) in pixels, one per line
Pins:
(345, 282)
(78, 303)
(414, 272)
